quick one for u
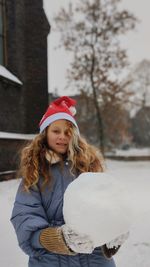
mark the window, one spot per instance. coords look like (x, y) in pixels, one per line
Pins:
(2, 33)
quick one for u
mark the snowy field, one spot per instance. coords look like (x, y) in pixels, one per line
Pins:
(136, 250)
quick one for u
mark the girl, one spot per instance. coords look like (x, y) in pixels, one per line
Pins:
(48, 164)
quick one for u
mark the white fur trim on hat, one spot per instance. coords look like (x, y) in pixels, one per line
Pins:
(55, 117)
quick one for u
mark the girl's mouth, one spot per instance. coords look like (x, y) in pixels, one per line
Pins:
(60, 144)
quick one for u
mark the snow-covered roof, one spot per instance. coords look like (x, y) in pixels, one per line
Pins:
(7, 74)
(7, 172)
(6, 135)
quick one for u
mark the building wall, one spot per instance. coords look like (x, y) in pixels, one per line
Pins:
(9, 154)
(10, 106)
(22, 106)
(26, 41)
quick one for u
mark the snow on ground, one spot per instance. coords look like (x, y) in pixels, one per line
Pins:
(132, 152)
(136, 250)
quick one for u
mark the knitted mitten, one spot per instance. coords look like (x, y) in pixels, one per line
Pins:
(52, 239)
(77, 242)
(118, 241)
(112, 247)
(109, 252)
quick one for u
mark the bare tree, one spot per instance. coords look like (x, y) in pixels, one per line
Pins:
(91, 31)
(115, 116)
(139, 86)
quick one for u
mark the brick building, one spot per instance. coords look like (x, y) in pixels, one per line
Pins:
(23, 55)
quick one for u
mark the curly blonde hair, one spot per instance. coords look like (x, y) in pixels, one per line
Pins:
(83, 156)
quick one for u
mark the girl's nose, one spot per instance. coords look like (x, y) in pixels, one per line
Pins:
(62, 136)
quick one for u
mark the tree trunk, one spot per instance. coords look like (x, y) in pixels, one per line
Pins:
(100, 121)
(95, 99)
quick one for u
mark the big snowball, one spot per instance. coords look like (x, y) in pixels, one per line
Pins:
(94, 205)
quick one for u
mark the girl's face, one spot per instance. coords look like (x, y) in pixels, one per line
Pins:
(58, 136)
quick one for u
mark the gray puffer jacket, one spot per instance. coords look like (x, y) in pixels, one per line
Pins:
(36, 210)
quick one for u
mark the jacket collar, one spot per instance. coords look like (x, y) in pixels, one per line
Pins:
(52, 157)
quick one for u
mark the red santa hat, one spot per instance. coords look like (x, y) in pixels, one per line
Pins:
(61, 108)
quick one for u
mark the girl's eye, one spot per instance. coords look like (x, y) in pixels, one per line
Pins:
(66, 133)
(55, 131)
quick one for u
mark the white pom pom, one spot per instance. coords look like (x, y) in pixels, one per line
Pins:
(72, 110)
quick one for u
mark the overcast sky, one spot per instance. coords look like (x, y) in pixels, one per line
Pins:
(136, 42)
